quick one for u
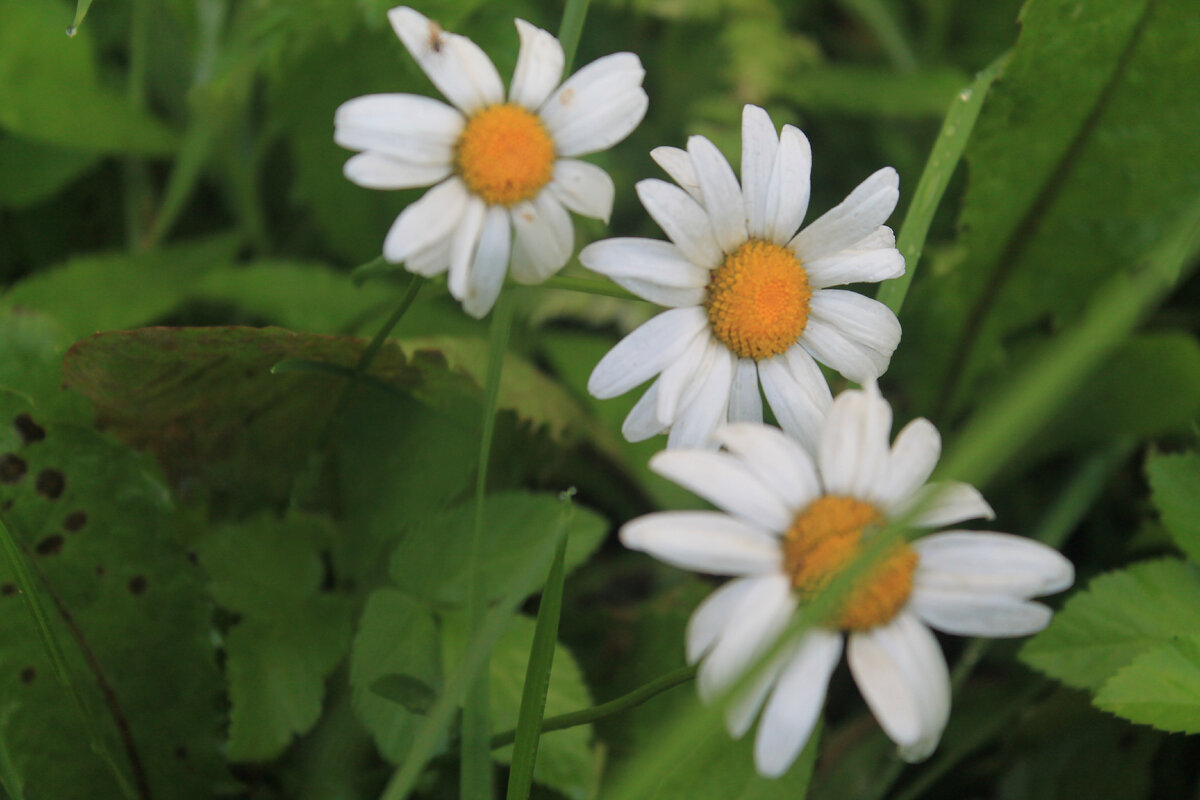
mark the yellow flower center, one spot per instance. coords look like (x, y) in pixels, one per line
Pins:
(505, 154)
(758, 300)
(825, 538)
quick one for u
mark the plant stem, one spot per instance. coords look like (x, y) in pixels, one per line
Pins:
(570, 29)
(476, 775)
(573, 283)
(623, 703)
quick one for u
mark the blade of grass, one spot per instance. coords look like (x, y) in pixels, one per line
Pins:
(10, 778)
(881, 19)
(537, 680)
(81, 10)
(570, 29)
(943, 160)
(472, 665)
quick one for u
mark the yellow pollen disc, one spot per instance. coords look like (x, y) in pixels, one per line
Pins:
(825, 538)
(758, 299)
(505, 154)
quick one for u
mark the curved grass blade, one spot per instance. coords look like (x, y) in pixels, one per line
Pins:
(943, 159)
(537, 680)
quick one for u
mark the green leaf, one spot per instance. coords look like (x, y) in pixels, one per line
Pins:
(1175, 488)
(1161, 687)
(516, 524)
(565, 762)
(276, 671)
(119, 290)
(31, 349)
(130, 612)
(31, 171)
(396, 636)
(1118, 617)
(291, 635)
(1074, 177)
(723, 769)
(50, 90)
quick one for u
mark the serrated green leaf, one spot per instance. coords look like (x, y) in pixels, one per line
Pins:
(1118, 617)
(396, 635)
(564, 761)
(264, 567)
(276, 670)
(130, 611)
(119, 290)
(1161, 687)
(49, 89)
(516, 523)
(1175, 487)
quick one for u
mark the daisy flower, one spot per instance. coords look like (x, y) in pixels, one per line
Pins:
(748, 295)
(790, 521)
(504, 172)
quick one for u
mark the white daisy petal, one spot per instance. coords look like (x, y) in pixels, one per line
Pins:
(945, 503)
(598, 106)
(703, 412)
(790, 401)
(434, 259)
(584, 188)
(808, 376)
(796, 702)
(455, 64)
(741, 711)
(678, 164)
(761, 615)
(709, 619)
(646, 351)
(645, 259)
(913, 456)
(722, 195)
(547, 237)
(864, 210)
(415, 129)
(683, 377)
(642, 421)
(539, 66)
(856, 265)
(429, 219)
(990, 563)
(855, 335)
(725, 482)
(759, 144)
(682, 219)
(902, 675)
(377, 171)
(745, 400)
(776, 459)
(490, 265)
(973, 614)
(703, 541)
(853, 451)
(788, 191)
(666, 296)
(462, 247)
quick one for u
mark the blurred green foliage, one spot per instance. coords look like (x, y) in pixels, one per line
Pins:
(245, 564)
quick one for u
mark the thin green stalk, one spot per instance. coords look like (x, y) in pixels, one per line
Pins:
(41, 622)
(943, 160)
(622, 703)
(881, 19)
(476, 765)
(81, 10)
(572, 283)
(570, 29)
(473, 664)
(537, 680)
(136, 175)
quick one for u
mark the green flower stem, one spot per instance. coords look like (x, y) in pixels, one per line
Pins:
(623, 703)
(943, 160)
(33, 602)
(476, 775)
(570, 29)
(586, 285)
